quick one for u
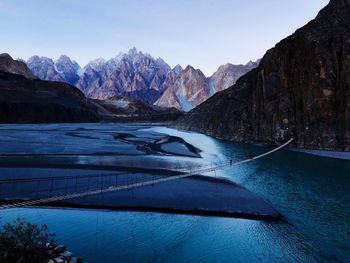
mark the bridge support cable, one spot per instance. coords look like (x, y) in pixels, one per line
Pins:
(139, 184)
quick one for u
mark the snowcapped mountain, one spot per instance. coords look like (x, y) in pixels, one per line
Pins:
(133, 74)
(140, 76)
(63, 69)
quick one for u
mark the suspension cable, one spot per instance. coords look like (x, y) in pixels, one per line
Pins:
(140, 184)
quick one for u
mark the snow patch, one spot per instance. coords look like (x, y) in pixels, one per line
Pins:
(80, 72)
(212, 88)
(55, 67)
(185, 105)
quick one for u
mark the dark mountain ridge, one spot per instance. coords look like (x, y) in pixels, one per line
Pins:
(301, 89)
(24, 100)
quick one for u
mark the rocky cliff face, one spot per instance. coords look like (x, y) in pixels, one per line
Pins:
(63, 69)
(8, 64)
(301, 89)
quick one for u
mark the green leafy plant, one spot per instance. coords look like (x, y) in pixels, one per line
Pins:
(23, 242)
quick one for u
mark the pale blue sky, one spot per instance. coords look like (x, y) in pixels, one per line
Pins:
(203, 33)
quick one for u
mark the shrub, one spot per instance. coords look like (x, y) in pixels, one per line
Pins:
(23, 242)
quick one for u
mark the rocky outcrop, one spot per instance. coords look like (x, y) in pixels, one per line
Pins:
(301, 89)
(60, 254)
(8, 64)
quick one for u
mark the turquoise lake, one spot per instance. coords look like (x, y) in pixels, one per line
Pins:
(312, 193)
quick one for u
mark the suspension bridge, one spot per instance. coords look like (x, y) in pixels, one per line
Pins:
(113, 184)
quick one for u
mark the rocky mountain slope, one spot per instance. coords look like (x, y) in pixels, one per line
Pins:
(137, 75)
(8, 64)
(191, 87)
(134, 74)
(301, 89)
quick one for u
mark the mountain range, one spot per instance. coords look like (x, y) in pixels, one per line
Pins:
(300, 90)
(25, 98)
(139, 76)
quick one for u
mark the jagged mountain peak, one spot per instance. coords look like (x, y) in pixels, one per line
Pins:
(64, 58)
(95, 63)
(191, 70)
(252, 63)
(41, 59)
(191, 87)
(177, 68)
(63, 69)
(134, 74)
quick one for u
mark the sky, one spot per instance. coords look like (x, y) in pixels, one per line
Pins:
(201, 33)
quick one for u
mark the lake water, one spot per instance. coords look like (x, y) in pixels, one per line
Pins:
(312, 193)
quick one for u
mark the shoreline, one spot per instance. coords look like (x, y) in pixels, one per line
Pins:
(340, 155)
(323, 153)
(168, 210)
